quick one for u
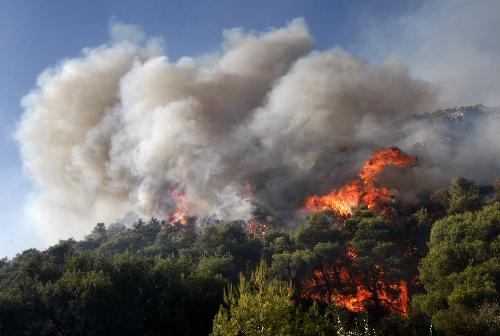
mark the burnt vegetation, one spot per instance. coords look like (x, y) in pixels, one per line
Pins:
(432, 268)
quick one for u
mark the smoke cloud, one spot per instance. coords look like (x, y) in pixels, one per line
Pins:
(451, 43)
(119, 128)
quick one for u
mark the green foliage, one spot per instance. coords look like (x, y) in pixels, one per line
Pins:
(127, 294)
(156, 278)
(461, 195)
(441, 198)
(320, 228)
(229, 238)
(139, 281)
(464, 196)
(496, 189)
(256, 307)
(172, 239)
(462, 270)
(380, 249)
(261, 306)
(293, 267)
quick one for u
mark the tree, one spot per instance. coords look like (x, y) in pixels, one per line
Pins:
(496, 188)
(173, 238)
(293, 267)
(81, 303)
(440, 198)
(261, 306)
(256, 307)
(462, 270)
(322, 227)
(378, 261)
(229, 238)
(464, 196)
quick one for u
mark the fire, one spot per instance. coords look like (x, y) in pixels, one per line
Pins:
(182, 207)
(394, 302)
(340, 281)
(363, 190)
(341, 201)
(341, 285)
(353, 302)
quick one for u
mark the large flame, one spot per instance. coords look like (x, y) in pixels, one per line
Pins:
(363, 190)
(338, 281)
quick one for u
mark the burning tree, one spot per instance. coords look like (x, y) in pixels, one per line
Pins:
(362, 272)
(378, 261)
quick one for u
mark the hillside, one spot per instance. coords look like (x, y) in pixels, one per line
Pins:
(158, 278)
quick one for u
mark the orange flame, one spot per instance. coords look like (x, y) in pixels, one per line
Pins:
(339, 284)
(182, 207)
(353, 302)
(364, 189)
(357, 302)
(341, 201)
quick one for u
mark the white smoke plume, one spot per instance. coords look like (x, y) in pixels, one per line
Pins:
(119, 128)
(454, 44)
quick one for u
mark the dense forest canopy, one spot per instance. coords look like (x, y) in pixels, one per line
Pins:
(259, 168)
(430, 268)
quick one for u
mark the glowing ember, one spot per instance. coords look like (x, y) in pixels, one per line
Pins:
(182, 208)
(364, 189)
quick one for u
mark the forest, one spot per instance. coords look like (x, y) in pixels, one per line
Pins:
(432, 268)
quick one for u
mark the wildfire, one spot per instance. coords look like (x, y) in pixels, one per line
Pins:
(363, 189)
(340, 281)
(353, 302)
(342, 285)
(394, 302)
(341, 201)
(182, 208)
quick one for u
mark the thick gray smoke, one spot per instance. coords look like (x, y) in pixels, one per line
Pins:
(121, 127)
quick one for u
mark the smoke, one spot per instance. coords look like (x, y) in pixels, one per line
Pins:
(119, 128)
(451, 43)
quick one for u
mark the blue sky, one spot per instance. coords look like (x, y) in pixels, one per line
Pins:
(37, 34)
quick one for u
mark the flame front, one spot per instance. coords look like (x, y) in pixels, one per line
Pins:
(364, 189)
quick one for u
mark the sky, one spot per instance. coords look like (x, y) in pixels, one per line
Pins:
(450, 43)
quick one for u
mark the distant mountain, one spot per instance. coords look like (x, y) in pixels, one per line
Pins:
(458, 116)
(453, 123)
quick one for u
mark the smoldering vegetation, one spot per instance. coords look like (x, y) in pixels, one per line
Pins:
(263, 122)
